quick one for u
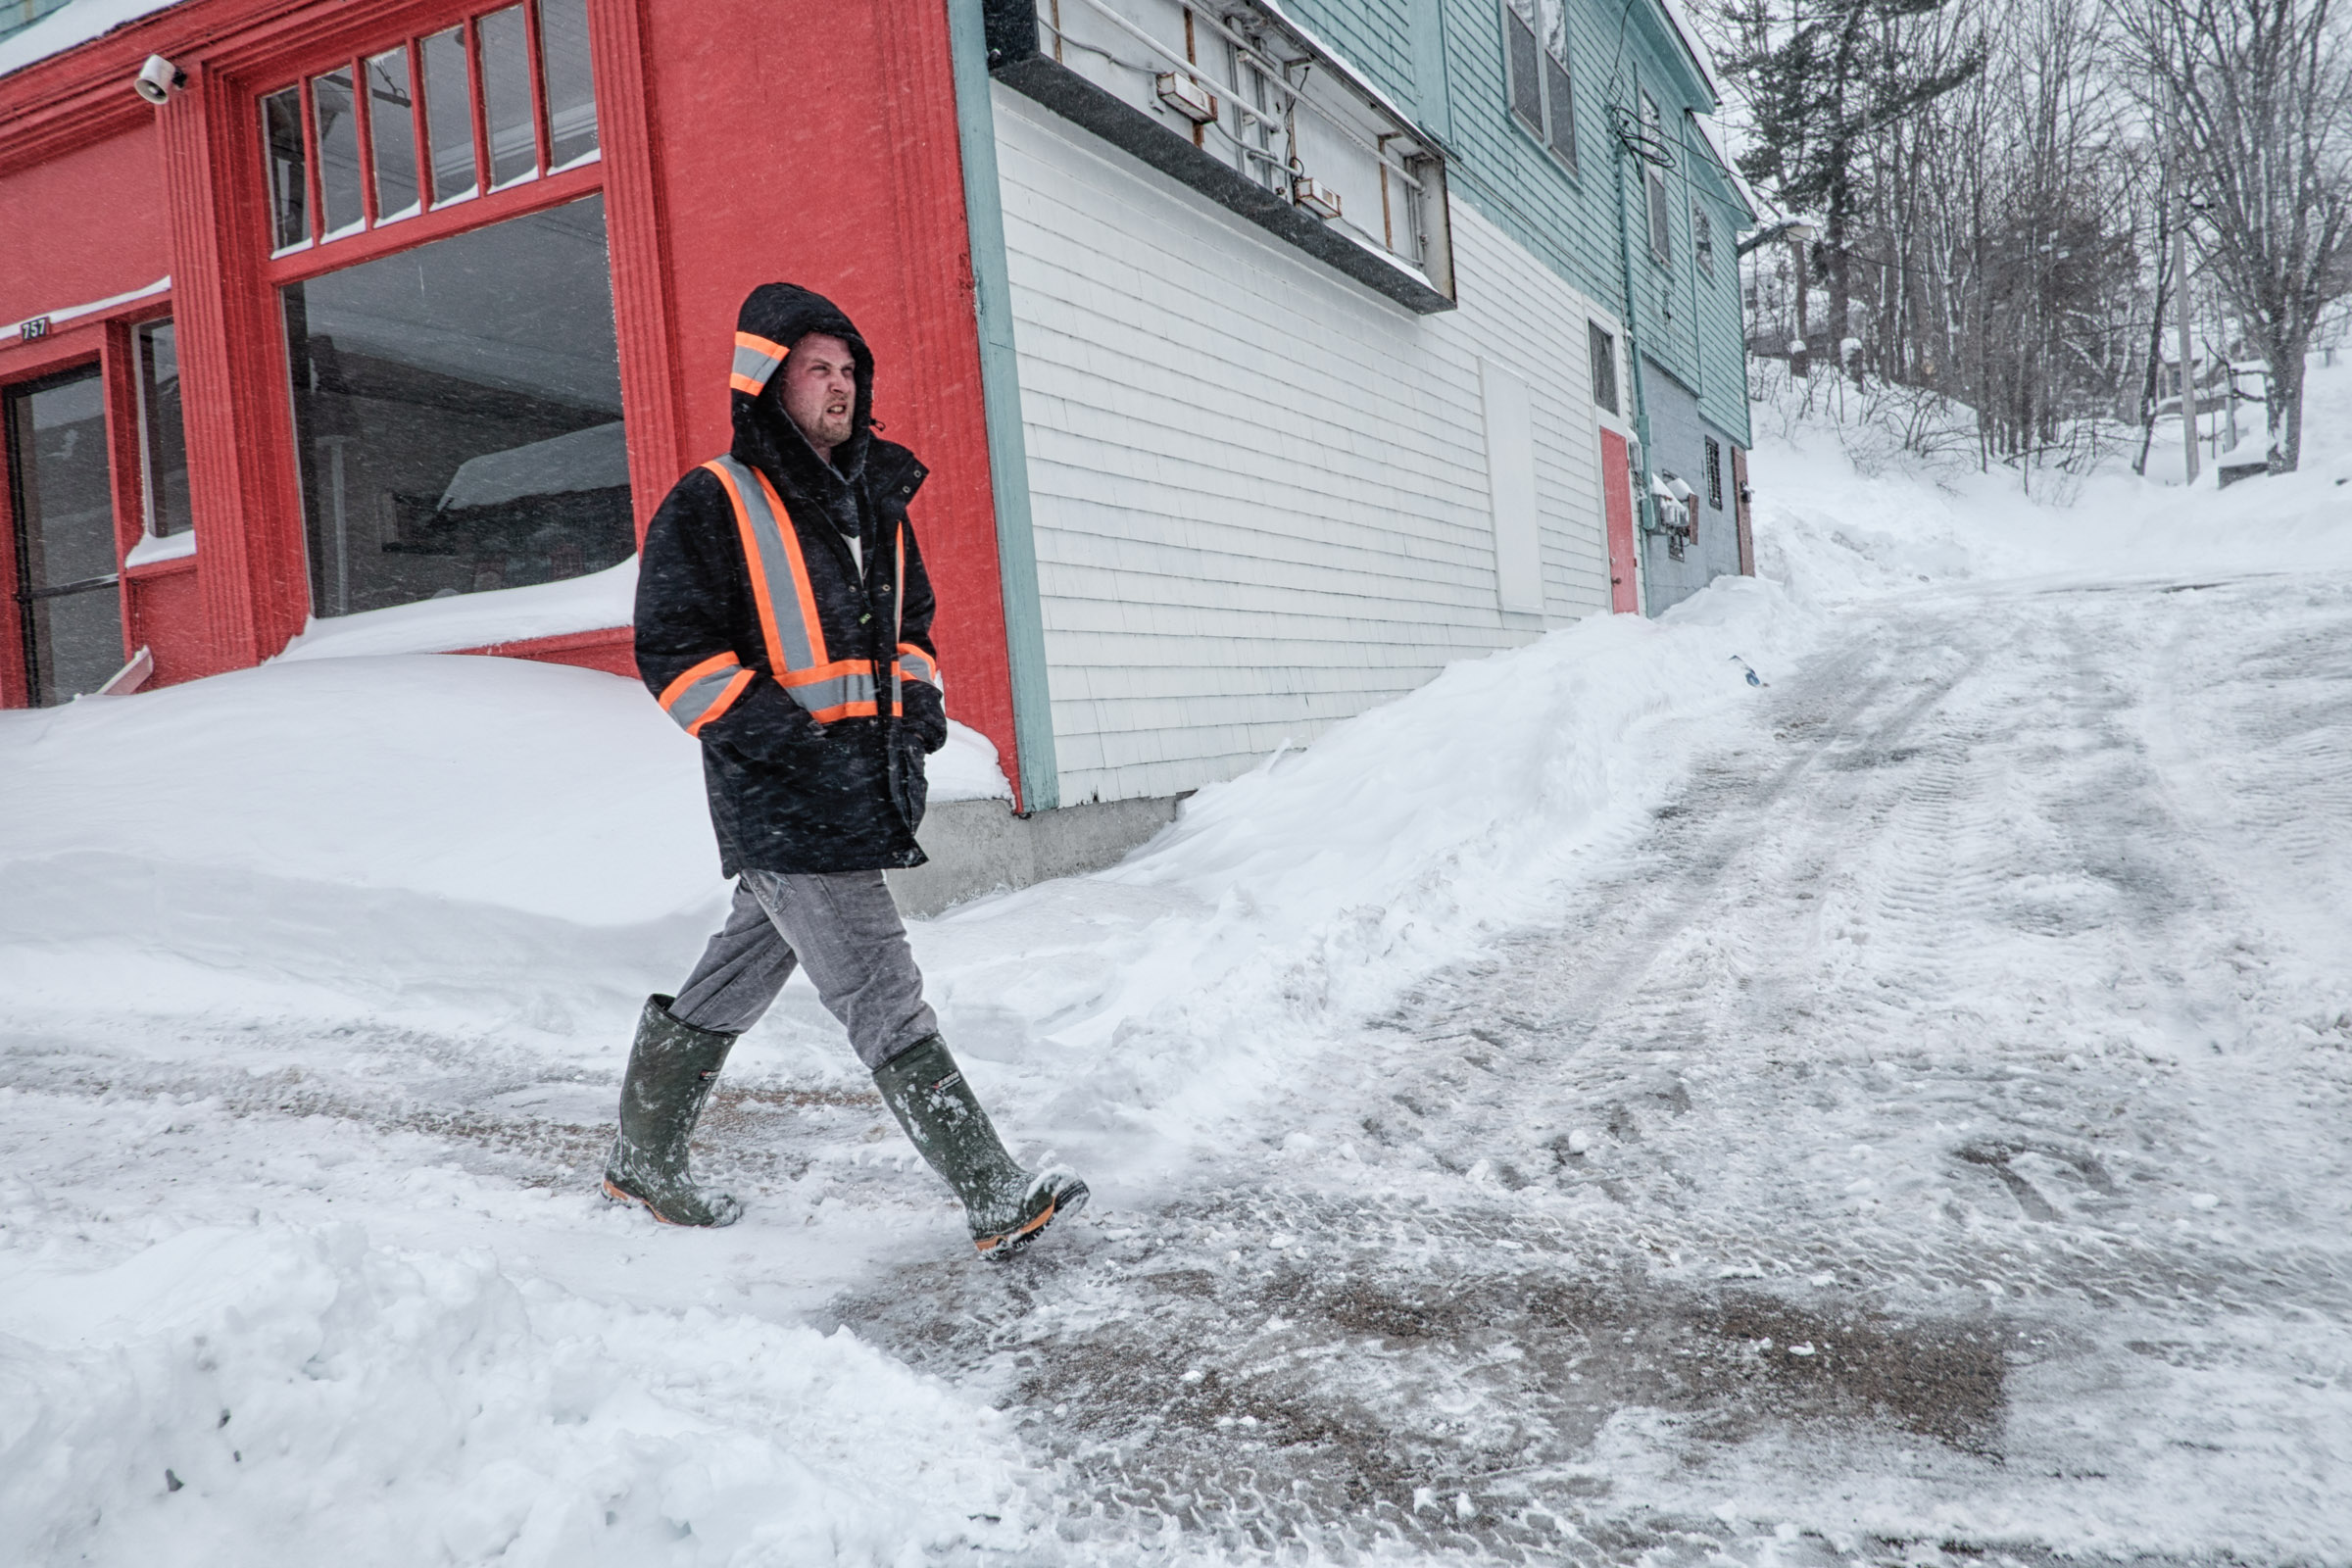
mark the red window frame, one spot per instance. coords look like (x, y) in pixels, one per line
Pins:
(318, 255)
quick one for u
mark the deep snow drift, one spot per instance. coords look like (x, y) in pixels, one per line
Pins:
(316, 980)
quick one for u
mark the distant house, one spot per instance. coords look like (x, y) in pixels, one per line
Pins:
(1267, 356)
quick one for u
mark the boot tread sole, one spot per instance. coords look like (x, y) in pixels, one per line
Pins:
(1011, 1241)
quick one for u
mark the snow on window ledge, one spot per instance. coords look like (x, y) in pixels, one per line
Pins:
(170, 547)
(594, 603)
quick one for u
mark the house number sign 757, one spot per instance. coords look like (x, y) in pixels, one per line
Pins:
(37, 327)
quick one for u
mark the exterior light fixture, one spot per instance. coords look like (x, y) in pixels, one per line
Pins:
(158, 79)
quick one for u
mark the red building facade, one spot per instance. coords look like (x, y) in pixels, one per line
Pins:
(329, 310)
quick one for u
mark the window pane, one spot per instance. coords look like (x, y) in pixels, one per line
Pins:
(459, 414)
(449, 116)
(77, 643)
(1603, 348)
(289, 180)
(392, 128)
(1661, 234)
(570, 82)
(1561, 131)
(65, 528)
(163, 440)
(507, 97)
(338, 153)
(1526, 93)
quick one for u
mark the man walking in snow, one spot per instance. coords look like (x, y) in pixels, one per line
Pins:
(784, 621)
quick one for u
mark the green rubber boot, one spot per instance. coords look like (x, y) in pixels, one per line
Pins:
(1006, 1206)
(672, 1067)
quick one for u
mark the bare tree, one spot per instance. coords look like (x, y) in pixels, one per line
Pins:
(2260, 93)
(1821, 78)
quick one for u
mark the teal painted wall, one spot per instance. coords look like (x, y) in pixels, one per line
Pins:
(1444, 60)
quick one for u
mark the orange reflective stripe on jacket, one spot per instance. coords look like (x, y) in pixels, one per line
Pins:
(702, 694)
(788, 627)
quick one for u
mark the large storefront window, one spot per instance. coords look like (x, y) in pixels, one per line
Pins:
(458, 407)
(69, 610)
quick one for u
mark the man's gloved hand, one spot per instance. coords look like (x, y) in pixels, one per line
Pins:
(926, 715)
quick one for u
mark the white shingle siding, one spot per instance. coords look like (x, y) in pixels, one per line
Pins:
(1260, 490)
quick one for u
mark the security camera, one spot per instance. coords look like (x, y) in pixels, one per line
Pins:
(157, 79)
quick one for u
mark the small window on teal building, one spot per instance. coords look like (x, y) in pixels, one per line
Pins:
(1542, 96)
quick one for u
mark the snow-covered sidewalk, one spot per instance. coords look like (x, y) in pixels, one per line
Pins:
(1893, 1104)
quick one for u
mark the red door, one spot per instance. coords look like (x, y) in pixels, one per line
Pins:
(1617, 504)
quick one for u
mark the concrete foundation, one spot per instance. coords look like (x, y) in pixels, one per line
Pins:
(979, 847)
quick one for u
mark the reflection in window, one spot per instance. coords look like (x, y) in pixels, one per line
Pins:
(70, 613)
(507, 97)
(1527, 92)
(1543, 95)
(339, 200)
(1560, 108)
(289, 175)
(569, 82)
(392, 134)
(459, 414)
(449, 116)
(163, 440)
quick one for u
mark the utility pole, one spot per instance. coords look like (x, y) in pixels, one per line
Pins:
(2189, 378)
(1799, 359)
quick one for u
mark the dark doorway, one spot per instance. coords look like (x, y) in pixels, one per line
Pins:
(68, 608)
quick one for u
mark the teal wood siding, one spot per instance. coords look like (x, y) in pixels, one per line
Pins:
(1375, 36)
(1590, 227)
(1717, 309)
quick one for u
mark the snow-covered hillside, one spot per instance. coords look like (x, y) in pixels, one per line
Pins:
(315, 982)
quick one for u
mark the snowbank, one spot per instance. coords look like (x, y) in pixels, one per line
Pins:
(320, 834)
(1297, 899)
(1833, 535)
(235, 1396)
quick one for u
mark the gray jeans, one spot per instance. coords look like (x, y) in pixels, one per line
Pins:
(846, 928)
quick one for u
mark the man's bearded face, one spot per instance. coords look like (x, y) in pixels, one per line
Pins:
(820, 389)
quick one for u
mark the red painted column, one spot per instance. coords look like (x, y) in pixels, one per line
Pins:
(644, 311)
(940, 376)
(242, 478)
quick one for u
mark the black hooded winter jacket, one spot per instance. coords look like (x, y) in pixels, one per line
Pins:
(812, 738)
